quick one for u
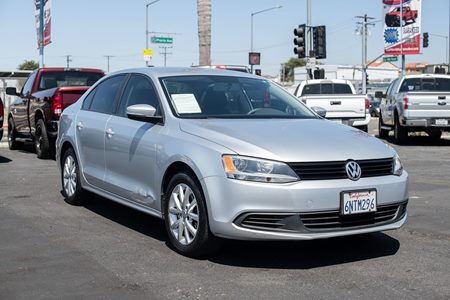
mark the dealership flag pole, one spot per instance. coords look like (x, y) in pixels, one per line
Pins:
(41, 34)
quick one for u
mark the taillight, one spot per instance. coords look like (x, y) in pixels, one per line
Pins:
(56, 108)
(405, 103)
(367, 103)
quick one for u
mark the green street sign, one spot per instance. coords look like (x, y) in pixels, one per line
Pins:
(390, 58)
(161, 40)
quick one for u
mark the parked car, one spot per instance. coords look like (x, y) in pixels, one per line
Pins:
(416, 103)
(374, 106)
(1, 118)
(224, 154)
(392, 18)
(339, 99)
(34, 114)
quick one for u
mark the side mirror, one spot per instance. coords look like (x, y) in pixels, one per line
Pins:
(379, 95)
(11, 91)
(143, 112)
(320, 111)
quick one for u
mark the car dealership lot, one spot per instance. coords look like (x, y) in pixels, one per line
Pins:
(50, 249)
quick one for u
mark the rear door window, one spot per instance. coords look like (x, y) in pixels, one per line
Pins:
(106, 94)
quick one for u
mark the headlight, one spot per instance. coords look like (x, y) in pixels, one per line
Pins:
(254, 169)
(398, 168)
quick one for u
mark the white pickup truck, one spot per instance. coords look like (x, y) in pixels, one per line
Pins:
(338, 98)
(416, 103)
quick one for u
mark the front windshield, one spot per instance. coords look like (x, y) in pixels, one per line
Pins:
(231, 97)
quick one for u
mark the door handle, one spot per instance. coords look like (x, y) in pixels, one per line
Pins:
(109, 132)
(80, 125)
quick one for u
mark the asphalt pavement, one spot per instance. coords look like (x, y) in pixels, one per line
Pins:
(49, 249)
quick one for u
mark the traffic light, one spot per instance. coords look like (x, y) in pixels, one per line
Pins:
(367, 78)
(320, 42)
(319, 74)
(300, 41)
(425, 40)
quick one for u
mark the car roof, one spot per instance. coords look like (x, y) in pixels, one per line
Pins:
(158, 72)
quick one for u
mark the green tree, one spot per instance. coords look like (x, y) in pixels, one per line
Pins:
(288, 70)
(28, 65)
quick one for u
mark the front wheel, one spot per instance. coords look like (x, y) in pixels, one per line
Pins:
(70, 179)
(12, 143)
(186, 218)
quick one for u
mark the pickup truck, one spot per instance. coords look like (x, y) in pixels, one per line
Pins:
(392, 18)
(416, 103)
(338, 98)
(34, 114)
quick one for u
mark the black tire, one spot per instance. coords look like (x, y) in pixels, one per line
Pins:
(44, 146)
(204, 242)
(373, 114)
(400, 132)
(435, 134)
(12, 143)
(382, 133)
(76, 195)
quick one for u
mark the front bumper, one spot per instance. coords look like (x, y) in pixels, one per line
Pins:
(229, 200)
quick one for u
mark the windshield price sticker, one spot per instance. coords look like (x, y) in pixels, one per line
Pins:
(186, 103)
(358, 202)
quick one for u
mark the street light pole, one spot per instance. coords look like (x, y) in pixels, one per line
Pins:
(446, 46)
(251, 29)
(146, 24)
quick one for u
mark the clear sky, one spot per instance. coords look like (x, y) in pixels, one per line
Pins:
(88, 30)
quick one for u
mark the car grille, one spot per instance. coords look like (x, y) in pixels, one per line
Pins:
(320, 221)
(336, 169)
(334, 220)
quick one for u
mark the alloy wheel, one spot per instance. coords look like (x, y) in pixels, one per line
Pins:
(70, 176)
(183, 214)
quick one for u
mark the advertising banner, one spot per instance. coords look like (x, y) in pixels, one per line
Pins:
(402, 26)
(47, 21)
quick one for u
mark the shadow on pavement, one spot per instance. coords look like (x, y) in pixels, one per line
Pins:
(4, 160)
(306, 254)
(128, 217)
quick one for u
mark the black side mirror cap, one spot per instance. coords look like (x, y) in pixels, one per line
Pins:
(11, 91)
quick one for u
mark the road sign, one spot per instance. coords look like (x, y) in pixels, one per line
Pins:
(148, 54)
(390, 58)
(161, 40)
(310, 62)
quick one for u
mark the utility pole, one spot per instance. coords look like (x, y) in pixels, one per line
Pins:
(68, 60)
(308, 50)
(364, 32)
(107, 58)
(165, 53)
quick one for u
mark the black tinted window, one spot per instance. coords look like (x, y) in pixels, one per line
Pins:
(425, 84)
(88, 100)
(139, 90)
(342, 89)
(326, 89)
(105, 95)
(311, 89)
(54, 79)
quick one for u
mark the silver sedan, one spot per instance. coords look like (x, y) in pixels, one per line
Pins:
(220, 154)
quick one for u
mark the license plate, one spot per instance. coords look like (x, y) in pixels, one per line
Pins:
(441, 122)
(358, 202)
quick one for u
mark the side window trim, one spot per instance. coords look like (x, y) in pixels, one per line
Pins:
(125, 86)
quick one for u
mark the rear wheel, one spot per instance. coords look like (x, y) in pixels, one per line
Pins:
(382, 133)
(12, 143)
(44, 146)
(186, 217)
(400, 132)
(70, 179)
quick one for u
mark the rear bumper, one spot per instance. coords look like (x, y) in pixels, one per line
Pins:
(424, 123)
(357, 122)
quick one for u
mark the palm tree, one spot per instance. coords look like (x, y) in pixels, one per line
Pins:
(204, 31)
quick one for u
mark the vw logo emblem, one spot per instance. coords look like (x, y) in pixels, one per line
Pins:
(353, 170)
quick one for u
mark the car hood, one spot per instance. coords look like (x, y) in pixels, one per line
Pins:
(289, 140)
